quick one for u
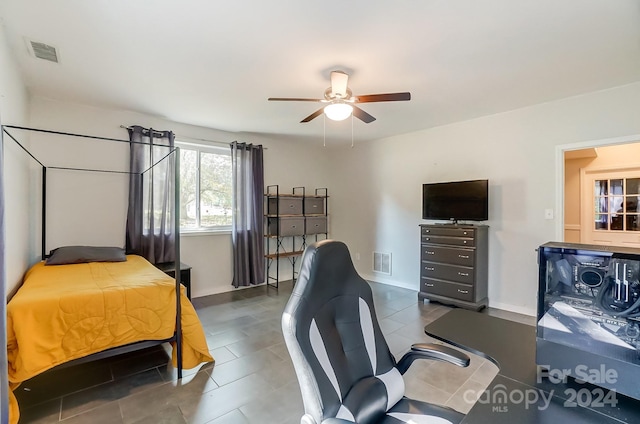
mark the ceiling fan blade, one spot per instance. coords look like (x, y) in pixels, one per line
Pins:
(292, 99)
(362, 115)
(314, 115)
(339, 84)
(389, 97)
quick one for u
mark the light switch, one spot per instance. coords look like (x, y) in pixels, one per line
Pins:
(548, 214)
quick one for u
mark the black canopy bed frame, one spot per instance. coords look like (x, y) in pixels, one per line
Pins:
(175, 151)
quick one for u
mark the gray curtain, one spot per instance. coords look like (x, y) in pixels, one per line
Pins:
(248, 209)
(4, 377)
(151, 231)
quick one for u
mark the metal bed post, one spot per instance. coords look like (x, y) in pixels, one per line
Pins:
(4, 372)
(44, 212)
(177, 258)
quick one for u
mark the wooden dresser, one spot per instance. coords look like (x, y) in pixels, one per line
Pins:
(454, 264)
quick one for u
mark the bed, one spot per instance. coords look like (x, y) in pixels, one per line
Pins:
(91, 307)
(65, 312)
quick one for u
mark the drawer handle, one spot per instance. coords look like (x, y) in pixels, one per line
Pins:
(427, 231)
(464, 242)
(429, 268)
(428, 252)
(463, 256)
(429, 285)
(464, 274)
(464, 233)
(427, 238)
(463, 291)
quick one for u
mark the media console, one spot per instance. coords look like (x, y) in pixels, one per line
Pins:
(454, 264)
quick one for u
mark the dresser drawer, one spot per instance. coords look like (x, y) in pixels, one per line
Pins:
(443, 288)
(450, 255)
(284, 206)
(452, 241)
(460, 274)
(443, 230)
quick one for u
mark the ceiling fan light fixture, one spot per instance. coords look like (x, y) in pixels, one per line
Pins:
(338, 111)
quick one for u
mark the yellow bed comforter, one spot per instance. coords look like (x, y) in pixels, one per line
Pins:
(65, 312)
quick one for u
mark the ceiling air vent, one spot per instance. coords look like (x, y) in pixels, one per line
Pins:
(43, 51)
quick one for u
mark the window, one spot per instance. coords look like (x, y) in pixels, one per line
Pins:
(616, 204)
(205, 188)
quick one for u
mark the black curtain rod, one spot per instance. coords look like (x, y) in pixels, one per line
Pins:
(178, 137)
(155, 132)
(222, 143)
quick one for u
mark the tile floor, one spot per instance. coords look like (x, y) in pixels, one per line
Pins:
(252, 380)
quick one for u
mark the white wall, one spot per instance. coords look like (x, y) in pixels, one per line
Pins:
(14, 108)
(376, 200)
(375, 188)
(286, 163)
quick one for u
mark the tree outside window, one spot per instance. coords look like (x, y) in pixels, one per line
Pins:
(205, 188)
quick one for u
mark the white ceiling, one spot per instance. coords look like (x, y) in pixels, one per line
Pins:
(215, 63)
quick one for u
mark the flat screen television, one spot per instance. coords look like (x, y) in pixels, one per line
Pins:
(456, 200)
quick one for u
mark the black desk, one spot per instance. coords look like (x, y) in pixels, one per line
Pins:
(169, 268)
(512, 347)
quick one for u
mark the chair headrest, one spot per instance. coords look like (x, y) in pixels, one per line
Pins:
(326, 271)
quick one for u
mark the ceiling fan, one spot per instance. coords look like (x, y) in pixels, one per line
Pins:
(340, 102)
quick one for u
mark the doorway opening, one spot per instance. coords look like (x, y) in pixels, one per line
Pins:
(597, 190)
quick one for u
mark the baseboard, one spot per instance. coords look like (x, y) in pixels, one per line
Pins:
(498, 305)
(376, 279)
(221, 289)
(512, 308)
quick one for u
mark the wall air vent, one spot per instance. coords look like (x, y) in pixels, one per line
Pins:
(382, 262)
(43, 51)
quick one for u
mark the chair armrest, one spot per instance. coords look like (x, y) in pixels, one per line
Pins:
(432, 351)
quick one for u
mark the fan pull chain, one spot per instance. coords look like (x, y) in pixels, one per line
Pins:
(324, 130)
(352, 130)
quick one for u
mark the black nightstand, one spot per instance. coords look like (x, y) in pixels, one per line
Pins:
(185, 273)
